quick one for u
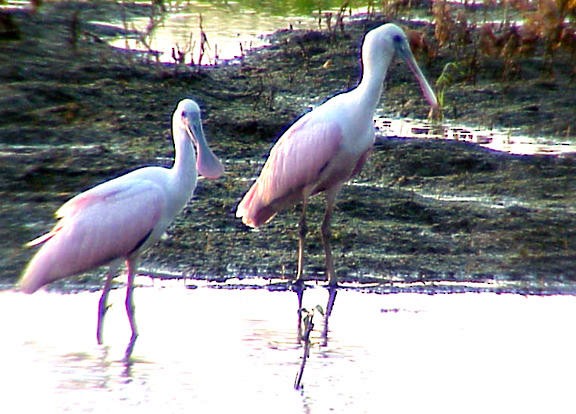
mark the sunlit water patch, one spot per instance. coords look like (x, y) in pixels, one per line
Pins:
(494, 139)
(212, 32)
(15, 5)
(223, 350)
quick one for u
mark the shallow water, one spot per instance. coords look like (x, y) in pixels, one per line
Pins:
(494, 139)
(230, 28)
(221, 350)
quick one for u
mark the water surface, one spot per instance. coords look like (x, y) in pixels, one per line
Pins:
(230, 28)
(222, 350)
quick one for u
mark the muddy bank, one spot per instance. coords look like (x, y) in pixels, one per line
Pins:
(73, 113)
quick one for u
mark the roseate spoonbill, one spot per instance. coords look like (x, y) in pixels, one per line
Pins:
(327, 146)
(119, 219)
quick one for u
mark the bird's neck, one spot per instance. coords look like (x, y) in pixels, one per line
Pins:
(184, 168)
(374, 69)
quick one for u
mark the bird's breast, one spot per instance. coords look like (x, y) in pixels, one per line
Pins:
(340, 169)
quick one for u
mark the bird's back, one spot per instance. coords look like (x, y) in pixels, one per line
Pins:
(107, 223)
(315, 153)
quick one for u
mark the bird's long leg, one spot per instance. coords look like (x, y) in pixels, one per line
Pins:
(326, 235)
(131, 265)
(300, 296)
(302, 230)
(103, 303)
(332, 290)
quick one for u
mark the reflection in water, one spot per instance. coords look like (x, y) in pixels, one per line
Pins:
(329, 306)
(223, 350)
(306, 326)
(325, 311)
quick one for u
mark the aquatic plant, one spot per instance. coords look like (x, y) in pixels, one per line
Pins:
(443, 22)
(393, 8)
(526, 30)
(204, 45)
(550, 21)
(451, 72)
(155, 19)
(338, 17)
(305, 329)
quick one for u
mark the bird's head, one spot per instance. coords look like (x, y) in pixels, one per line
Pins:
(187, 117)
(389, 39)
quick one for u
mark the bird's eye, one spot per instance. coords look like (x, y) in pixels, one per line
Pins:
(397, 38)
(184, 113)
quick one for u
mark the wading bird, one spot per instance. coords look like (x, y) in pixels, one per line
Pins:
(329, 145)
(117, 220)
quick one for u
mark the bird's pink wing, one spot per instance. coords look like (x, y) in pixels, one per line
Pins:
(293, 168)
(108, 222)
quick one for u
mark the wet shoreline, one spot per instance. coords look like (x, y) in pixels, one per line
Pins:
(100, 113)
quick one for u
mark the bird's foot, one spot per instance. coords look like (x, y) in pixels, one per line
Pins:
(99, 338)
(99, 327)
(332, 278)
(332, 284)
(298, 284)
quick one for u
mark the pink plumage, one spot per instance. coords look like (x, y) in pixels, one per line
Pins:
(293, 170)
(93, 230)
(329, 145)
(119, 219)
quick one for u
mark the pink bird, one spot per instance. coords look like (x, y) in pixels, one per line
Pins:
(329, 145)
(117, 220)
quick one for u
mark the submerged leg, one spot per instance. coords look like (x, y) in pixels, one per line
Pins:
(103, 303)
(326, 235)
(302, 230)
(332, 290)
(300, 296)
(130, 307)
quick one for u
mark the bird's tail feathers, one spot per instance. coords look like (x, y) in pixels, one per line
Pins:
(42, 270)
(30, 282)
(252, 211)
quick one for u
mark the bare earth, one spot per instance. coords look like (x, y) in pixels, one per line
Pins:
(422, 214)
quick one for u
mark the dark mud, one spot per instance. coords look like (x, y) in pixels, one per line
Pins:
(74, 112)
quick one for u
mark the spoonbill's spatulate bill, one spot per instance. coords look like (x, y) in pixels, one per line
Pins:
(329, 145)
(117, 220)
